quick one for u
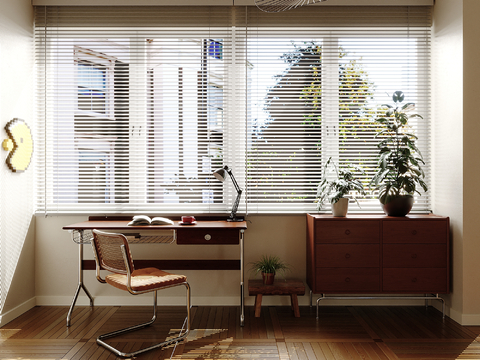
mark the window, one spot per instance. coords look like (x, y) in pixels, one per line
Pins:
(136, 116)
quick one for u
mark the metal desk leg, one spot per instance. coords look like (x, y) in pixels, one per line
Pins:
(80, 284)
(242, 304)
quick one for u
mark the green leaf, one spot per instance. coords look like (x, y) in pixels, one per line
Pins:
(408, 105)
(398, 96)
(411, 136)
(416, 116)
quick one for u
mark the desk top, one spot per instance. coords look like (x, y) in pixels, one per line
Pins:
(122, 224)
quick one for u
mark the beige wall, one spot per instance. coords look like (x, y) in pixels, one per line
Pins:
(471, 169)
(456, 127)
(447, 126)
(17, 189)
(56, 276)
(280, 235)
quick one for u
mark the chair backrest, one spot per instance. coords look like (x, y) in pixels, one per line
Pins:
(109, 254)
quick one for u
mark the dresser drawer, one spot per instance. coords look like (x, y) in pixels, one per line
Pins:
(418, 231)
(207, 236)
(347, 231)
(415, 280)
(347, 255)
(347, 280)
(414, 255)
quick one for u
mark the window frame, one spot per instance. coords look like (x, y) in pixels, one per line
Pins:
(239, 73)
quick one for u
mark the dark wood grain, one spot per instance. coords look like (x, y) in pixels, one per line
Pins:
(341, 333)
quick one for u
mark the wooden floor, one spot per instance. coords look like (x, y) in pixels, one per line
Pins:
(363, 332)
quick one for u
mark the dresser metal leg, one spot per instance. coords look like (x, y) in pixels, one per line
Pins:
(426, 297)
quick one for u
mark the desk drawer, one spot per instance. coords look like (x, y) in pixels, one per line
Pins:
(192, 236)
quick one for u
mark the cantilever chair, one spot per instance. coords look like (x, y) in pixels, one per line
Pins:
(113, 254)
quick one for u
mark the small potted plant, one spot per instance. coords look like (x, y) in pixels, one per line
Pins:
(400, 161)
(269, 266)
(345, 181)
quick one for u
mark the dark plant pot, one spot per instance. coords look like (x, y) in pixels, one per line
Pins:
(268, 278)
(398, 206)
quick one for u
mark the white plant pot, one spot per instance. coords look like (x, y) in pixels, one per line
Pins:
(340, 208)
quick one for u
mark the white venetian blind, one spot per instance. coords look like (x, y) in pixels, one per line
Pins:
(132, 102)
(138, 105)
(318, 74)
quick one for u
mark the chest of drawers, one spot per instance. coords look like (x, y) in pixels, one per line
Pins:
(361, 254)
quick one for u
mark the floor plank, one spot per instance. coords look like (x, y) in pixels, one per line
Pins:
(340, 333)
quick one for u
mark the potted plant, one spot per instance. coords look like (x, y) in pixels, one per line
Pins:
(269, 266)
(336, 189)
(400, 161)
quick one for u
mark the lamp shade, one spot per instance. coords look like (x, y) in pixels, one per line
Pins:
(220, 174)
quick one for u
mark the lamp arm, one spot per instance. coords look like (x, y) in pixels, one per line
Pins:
(233, 214)
(233, 180)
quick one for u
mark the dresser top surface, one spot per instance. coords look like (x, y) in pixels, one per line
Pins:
(378, 217)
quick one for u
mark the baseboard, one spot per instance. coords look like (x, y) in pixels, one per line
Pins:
(17, 311)
(137, 300)
(465, 319)
(145, 299)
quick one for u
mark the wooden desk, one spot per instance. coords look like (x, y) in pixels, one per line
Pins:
(204, 232)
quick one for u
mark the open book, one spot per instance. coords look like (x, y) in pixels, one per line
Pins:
(145, 220)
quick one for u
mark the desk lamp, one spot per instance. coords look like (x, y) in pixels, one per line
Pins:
(220, 175)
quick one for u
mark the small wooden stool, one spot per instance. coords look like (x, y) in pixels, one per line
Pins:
(292, 287)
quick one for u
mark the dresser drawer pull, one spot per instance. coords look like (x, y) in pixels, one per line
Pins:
(347, 279)
(414, 232)
(347, 256)
(208, 237)
(347, 232)
(414, 256)
(414, 280)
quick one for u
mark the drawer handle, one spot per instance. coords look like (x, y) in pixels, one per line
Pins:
(208, 237)
(347, 256)
(414, 280)
(414, 256)
(414, 232)
(347, 232)
(347, 279)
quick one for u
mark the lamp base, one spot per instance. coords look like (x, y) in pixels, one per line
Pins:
(235, 219)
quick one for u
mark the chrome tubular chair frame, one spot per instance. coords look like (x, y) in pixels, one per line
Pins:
(128, 262)
(182, 336)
